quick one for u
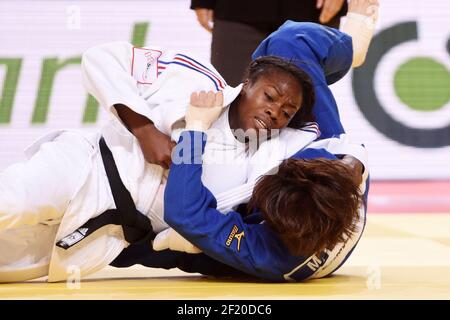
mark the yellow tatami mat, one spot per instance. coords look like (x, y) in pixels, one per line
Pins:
(402, 256)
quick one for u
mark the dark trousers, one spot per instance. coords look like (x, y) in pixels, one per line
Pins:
(233, 44)
(231, 49)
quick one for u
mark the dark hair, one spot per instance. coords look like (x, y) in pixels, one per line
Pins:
(311, 204)
(265, 65)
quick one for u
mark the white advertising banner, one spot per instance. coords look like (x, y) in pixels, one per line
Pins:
(398, 103)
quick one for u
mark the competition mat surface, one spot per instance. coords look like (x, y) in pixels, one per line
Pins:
(401, 256)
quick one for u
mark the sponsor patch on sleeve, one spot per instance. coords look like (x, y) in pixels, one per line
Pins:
(235, 235)
(144, 65)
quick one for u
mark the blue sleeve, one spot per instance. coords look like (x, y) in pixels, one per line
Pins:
(190, 209)
(324, 53)
(314, 154)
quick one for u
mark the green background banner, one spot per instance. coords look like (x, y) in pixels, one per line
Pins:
(397, 103)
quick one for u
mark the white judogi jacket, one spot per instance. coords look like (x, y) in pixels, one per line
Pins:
(156, 84)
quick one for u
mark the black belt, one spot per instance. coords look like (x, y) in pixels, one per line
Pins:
(136, 227)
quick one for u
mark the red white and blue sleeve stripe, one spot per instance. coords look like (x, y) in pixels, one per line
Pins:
(192, 64)
(312, 127)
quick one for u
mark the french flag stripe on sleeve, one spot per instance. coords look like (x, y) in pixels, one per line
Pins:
(205, 69)
(192, 64)
(312, 127)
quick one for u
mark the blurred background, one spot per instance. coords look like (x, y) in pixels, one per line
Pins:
(398, 103)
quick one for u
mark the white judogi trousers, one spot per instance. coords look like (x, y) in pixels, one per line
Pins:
(34, 195)
(60, 187)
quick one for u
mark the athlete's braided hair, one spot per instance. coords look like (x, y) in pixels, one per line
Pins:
(267, 64)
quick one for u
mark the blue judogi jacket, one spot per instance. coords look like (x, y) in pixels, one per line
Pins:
(243, 242)
(249, 246)
(233, 244)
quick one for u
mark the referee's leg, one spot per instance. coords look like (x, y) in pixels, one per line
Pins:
(231, 49)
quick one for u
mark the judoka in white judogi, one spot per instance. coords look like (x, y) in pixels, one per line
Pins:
(63, 183)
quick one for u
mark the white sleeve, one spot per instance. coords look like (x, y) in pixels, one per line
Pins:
(228, 200)
(272, 152)
(106, 73)
(342, 145)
